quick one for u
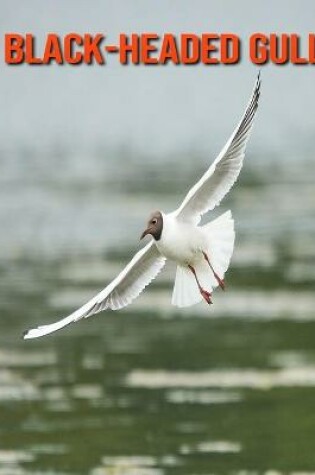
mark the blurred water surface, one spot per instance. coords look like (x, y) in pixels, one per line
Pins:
(152, 390)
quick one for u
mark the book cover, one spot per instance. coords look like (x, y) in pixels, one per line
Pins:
(190, 124)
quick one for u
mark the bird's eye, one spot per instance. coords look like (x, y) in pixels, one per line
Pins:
(154, 221)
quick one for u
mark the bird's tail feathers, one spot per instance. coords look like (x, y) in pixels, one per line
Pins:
(220, 243)
(220, 236)
(185, 292)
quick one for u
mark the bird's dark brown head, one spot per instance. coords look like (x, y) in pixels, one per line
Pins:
(154, 226)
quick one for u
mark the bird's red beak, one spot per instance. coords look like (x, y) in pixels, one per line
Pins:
(145, 232)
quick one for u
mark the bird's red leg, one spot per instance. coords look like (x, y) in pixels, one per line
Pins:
(206, 295)
(220, 281)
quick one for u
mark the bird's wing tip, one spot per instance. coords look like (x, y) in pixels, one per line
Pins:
(30, 334)
(38, 332)
(258, 81)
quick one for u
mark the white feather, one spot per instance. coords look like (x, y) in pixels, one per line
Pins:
(222, 174)
(219, 243)
(140, 271)
(185, 292)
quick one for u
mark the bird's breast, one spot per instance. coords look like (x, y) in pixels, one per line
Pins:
(179, 242)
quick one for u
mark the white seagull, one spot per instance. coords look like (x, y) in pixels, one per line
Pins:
(202, 253)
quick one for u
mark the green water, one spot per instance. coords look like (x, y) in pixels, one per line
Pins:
(152, 390)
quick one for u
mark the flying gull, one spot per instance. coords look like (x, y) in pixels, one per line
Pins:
(202, 253)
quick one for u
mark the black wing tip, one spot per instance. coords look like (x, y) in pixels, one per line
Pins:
(258, 84)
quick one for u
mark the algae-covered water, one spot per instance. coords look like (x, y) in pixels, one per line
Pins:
(152, 390)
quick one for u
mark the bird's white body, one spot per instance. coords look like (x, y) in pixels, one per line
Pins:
(202, 253)
(181, 242)
(185, 244)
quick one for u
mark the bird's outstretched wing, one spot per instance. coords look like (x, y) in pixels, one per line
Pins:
(221, 175)
(140, 271)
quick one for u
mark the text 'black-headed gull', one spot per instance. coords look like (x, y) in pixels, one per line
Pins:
(202, 253)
